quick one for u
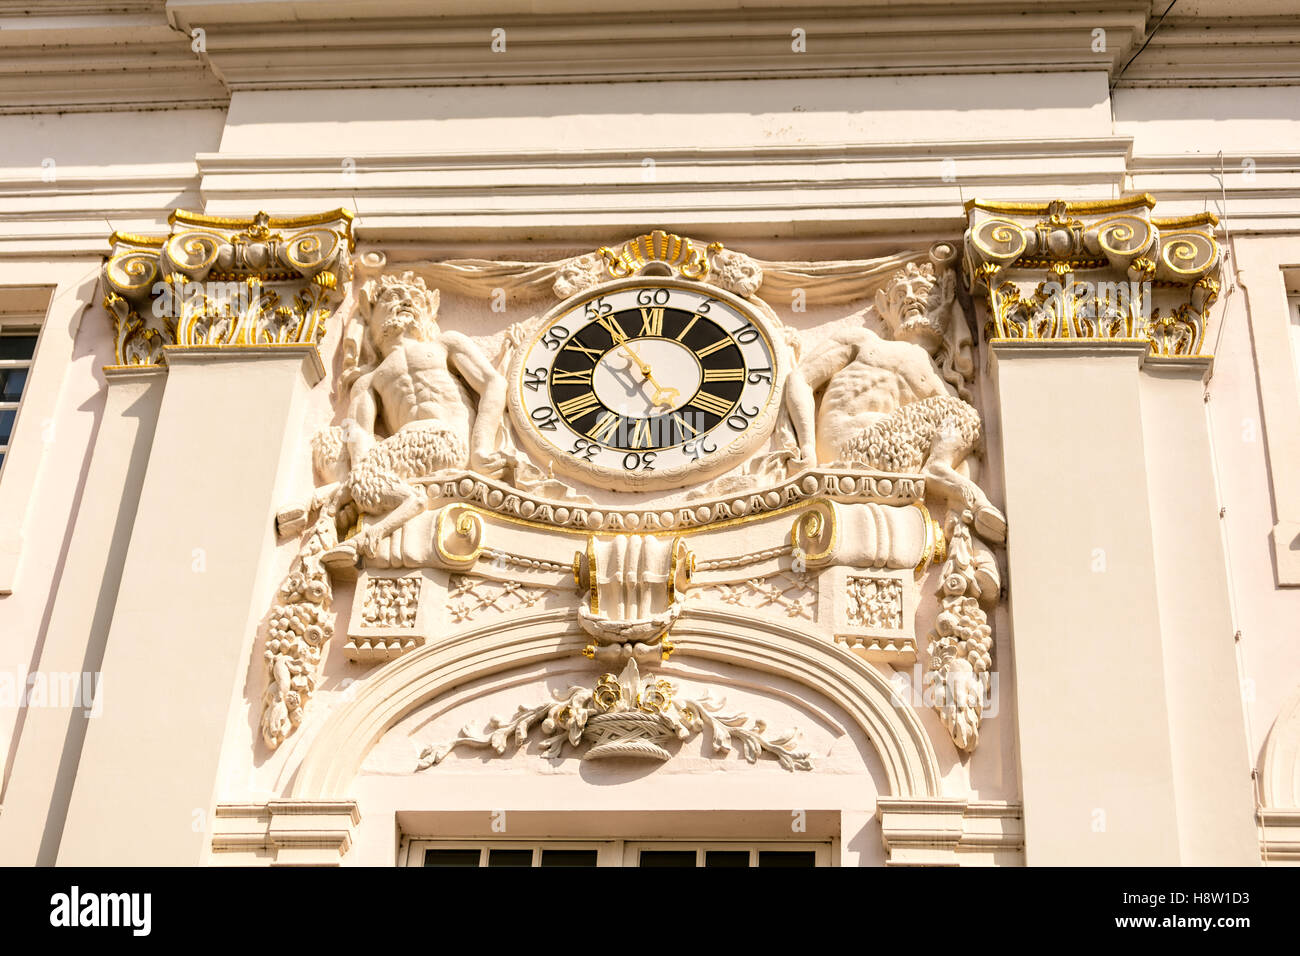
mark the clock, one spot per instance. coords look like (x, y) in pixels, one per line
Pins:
(647, 383)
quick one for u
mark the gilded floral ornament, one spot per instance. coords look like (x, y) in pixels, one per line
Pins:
(216, 281)
(1110, 272)
(626, 715)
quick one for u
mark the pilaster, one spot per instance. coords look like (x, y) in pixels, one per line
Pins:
(50, 743)
(233, 309)
(1131, 736)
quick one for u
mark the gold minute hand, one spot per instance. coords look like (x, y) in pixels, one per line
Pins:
(666, 397)
(620, 337)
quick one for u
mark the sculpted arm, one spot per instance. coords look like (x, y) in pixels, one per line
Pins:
(491, 388)
(804, 380)
(363, 412)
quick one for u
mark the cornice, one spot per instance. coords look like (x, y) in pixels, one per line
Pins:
(80, 55)
(272, 45)
(70, 57)
(1231, 50)
(844, 189)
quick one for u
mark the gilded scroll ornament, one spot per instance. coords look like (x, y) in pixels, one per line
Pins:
(1106, 271)
(226, 282)
(678, 255)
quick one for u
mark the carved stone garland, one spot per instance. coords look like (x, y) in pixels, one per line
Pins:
(301, 623)
(961, 645)
(626, 715)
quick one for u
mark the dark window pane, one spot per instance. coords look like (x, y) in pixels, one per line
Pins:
(7, 424)
(726, 858)
(2, 460)
(11, 383)
(787, 858)
(451, 857)
(510, 857)
(17, 346)
(568, 858)
(667, 857)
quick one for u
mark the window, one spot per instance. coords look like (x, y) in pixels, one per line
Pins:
(719, 855)
(728, 855)
(17, 346)
(500, 854)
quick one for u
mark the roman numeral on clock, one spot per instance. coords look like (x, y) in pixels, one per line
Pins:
(579, 405)
(560, 377)
(613, 328)
(652, 321)
(593, 354)
(713, 347)
(605, 427)
(641, 434)
(724, 375)
(709, 402)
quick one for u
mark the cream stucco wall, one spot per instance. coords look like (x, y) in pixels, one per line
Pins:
(779, 165)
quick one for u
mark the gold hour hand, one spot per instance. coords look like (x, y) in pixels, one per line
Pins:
(666, 397)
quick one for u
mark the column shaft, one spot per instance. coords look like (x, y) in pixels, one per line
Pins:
(1092, 708)
(50, 742)
(1211, 761)
(193, 587)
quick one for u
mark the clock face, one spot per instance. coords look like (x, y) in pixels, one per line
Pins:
(648, 383)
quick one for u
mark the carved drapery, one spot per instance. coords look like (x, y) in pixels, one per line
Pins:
(216, 281)
(1106, 271)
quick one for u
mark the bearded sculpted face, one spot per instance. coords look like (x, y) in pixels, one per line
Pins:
(916, 305)
(400, 306)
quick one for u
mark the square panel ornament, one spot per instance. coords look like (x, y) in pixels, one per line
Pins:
(394, 611)
(872, 611)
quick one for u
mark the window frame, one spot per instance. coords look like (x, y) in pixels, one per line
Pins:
(13, 325)
(633, 848)
(413, 855)
(625, 853)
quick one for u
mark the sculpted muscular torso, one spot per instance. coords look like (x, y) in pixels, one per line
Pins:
(424, 405)
(885, 406)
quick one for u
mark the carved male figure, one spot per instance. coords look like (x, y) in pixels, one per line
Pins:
(885, 405)
(413, 381)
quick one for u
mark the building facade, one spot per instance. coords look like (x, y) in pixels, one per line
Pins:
(723, 435)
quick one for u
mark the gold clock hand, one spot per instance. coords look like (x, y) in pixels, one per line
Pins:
(659, 399)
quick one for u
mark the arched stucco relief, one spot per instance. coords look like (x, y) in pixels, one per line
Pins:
(334, 757)
(1280, 766)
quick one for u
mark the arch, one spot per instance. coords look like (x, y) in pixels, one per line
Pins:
(334, 757)
(1280, 766)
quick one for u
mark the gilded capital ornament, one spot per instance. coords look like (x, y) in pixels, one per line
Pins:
(226, 282)
(1099, 271)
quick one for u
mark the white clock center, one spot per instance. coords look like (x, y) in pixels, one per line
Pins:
(646, 377)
